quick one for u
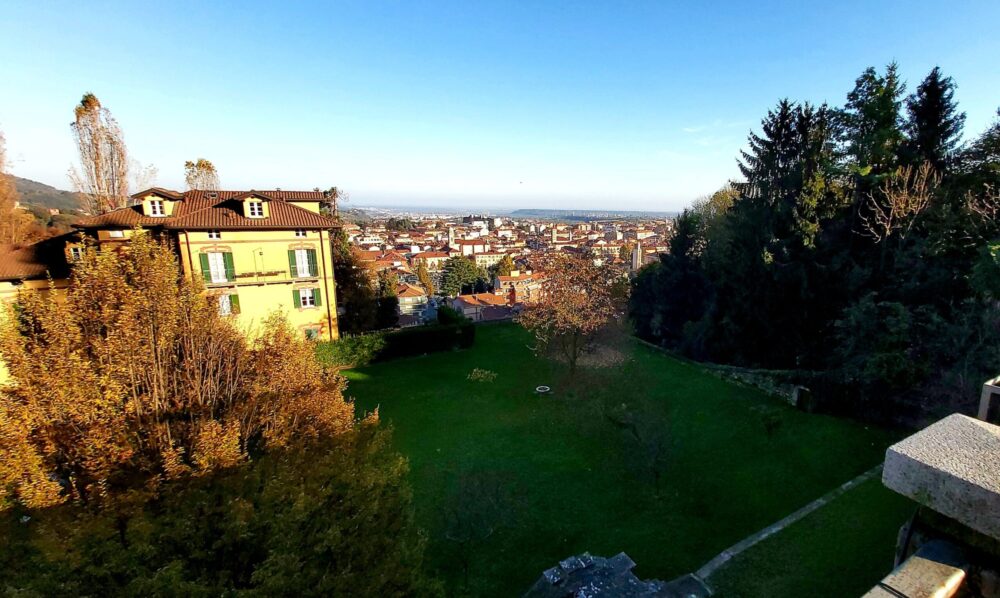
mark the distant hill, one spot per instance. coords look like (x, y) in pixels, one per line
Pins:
(354, 215)
(40, 194)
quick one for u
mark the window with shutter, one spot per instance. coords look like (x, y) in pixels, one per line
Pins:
(218, 265)
(311, 255)
(303, 269)
(307, 298)
(206, 271)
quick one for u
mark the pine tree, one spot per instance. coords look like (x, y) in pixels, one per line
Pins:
(935, 124)
(872, 121)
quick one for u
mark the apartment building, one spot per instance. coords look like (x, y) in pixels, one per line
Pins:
(256, 251)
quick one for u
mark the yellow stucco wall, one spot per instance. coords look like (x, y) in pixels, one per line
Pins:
(8, 294)
(263, 282)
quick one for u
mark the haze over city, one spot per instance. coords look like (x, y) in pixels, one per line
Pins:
(496, 105)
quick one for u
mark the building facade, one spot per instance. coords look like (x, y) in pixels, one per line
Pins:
(256, 252)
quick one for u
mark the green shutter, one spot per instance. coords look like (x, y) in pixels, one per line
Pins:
(227, 260)
(311, 253)
(234, 303)
(296, 302)
(292, 270)
(205, 271)
(317, 297)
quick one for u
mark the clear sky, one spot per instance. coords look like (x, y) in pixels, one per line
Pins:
(627, 105)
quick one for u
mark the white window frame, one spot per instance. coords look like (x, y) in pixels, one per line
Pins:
(157, 207)
(217, 267)
(255, 209)
(307, 298)
(302, 263)
(116, 234)
(214, 234)
(300, 233)
(225, 305)
(75, 253)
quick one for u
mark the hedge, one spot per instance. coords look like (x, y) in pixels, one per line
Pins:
(427, 339)
(356, 351)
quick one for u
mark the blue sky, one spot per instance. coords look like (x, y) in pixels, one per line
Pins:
(626, 105)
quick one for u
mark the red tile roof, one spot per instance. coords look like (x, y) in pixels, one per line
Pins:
(36, 261)
(408, 290)
(220, 210)
(482, 299)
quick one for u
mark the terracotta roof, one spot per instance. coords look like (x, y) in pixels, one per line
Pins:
(430, 254)
(220, 210)
(482, 299)
(408, 290)
(272, 194)
(365, 255)
(35, 261)
(521, 277)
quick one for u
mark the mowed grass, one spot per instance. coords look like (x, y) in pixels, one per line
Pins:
(738, 459)
(842, 549)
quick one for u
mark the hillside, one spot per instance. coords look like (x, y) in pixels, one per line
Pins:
(40, 194)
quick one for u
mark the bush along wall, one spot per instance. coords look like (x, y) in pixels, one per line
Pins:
(427, 339)
(359, 350)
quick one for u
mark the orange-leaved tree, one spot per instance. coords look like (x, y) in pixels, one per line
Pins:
(132, 377)
(578, 298)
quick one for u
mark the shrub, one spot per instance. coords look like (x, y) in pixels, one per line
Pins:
(481, 375)
(350, 351)
(450, 315)
(427, 339)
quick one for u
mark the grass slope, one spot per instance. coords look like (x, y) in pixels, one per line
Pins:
(573, 473)
(840, 550)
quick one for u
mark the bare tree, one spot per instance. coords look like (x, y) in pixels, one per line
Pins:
(14, 222)
(332, 198)
(904, 197)
(143, 177)
(201, 174)
(103, 176)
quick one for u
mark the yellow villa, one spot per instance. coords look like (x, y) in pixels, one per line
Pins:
(255, 251)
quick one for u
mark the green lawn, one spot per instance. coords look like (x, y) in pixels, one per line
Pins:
(573, 485)
(840, 550)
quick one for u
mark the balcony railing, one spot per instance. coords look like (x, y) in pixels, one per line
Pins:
(234, 277)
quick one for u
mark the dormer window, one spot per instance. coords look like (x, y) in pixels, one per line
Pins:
(156, 208)
(255, 209)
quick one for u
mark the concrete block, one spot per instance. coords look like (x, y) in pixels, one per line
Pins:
(953, 468)
(937, 570)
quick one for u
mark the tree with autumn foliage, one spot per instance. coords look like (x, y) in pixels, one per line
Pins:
(578, 298)
(15, 223)
(133, 378)
(147, 447)
(201, 174)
